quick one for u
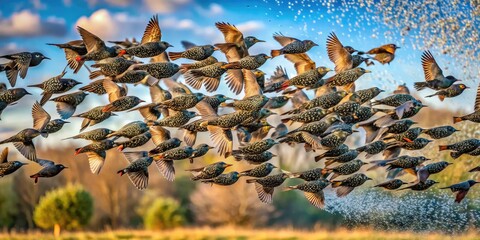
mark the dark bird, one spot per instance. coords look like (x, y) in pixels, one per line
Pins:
(384, 54)
(346, 79)
(111, 67)
(130, 130)
(67, 104)
(50, 169)
(249, 62)
(72, 49)
(209, 76)
(159, 70)
(346, 108)
(96, 48)
(407, 136)
(461, 147)
(151, 44)
(406, 110)
(310, 175)
(185, 67)
(197, 53)
(137, 169)
(308, 79)
(313, 191)
(165, 146)
(250, 103)
(122, 104)
(335, 139)
(343, 158)
(164, 161)
(19, 64)
(265, 186)
(291, 45)
(54, 85)
(344, 169)
(95, 135)
(391, 184)
(424, 172)
(256, 147)
(374, 131)
(461, 189)
(341, 149)
(208, 172)
(394, 100)
(12, 95)
(97, 87)
(93, 116)
(307, 116)
(368, 94)
(126, 43)
(8, 167)
(136, 141)
(317, 128)
(440, 132)
(254, 158)
(450, 92)
(182, 102)
(225, 179)
(325, 101)
(277, 102)
(347, 185)
(434, 78)
(416, 144)
(96, 153)
(200, 151)
(363, 113)
(421, 186)
(373, 148)
(475, 116)
(177, 120)
(259, 171)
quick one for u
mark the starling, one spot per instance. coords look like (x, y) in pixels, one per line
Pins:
(347, 185)
(346, 78)
(23, 142)
(185, 67)
(416, 144)
(177, 120)
(462, 147)
(368, 94)
(73, 49)
(256, 147)
(130, 130)
(165, 146)
(335, 139)
(346, 108)
(50, 169)
(276, 80)
(56, 84)
(254, 158)
(421, 186)
(216, 100)
(8, 167)
(250, 103)
(341, 149)
(313, 191)
(200, 151)
(159, 70)
(406, 110)
(291, 45)
(135, 77)
(384, 54)
(137, 170)
(20, 62)
(225, 179)
(13, 94)
(403, 162)
(407, 136)
(394, 100)
(251, 40)
(450, 92)
(259, 171)
(357, 60)
(96, 48)
(307, 79)
(122, 104)
(396, 127)
(361, 114)
(434, 78)
(249, 62)
(391, 184)
(277, 102)
(265, 186)
(136, 141)
(317, 128)
(344, 169)
(461, 189)
(96, 153)
(424, 172)
(191, 130)
(197, 53)
(182, 102)
(307, 116)
(111, 67)
(311, 142)
(126, 43)
(402, 89)
(280, 131)
(338, 54)
(150, 112)
(230, 120)
(53, 126)
(343, 158)
(98, 88)
(373, 148)
(260, 77)
(164, 161)
(93, 116)
(208, 75)
(474, 117)
(310, 175)
(325, 101)
(440, 132)
(67, 104)
(95, 135)
(208, 172)
(151, 44)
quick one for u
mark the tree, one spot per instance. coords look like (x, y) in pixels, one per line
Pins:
(164, 213)
(70, 207)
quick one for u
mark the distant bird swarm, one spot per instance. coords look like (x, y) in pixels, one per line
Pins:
(325, 122)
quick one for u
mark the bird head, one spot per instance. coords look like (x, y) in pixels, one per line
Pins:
(263, 55)
(72, 82)
(323, 70)
(270, 166)
(199, 96)
(166, 44)
(234, 174)
(462, 86)
(258, 73)
(350, 49)
(363, 70)
(310, 43)
(452, 78)
(472, 182)
(39, 56)
(61, 166)
(19, 164)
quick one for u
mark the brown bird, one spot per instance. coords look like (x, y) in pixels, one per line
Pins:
(384, 54)
(338, 54)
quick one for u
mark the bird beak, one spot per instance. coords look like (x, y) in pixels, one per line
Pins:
(467, 87)
(424, 105)
(170, 45)
(210, 147)
(25, 163)
(314, 44)
(381, 90)
(397, 47)
(354, 131)
(449, 163)
(367, 71)
(369, 179)
(273, 166)
(228, 165)
(274, 155)
(65, 122)
(329, 70)
(216, 48)
(258, 40)
(46, 58)
(142, 100)
(27, 93)
(65, 167)
(267, 57)
(456, 130)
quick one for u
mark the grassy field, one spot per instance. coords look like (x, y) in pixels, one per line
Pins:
(241, 234)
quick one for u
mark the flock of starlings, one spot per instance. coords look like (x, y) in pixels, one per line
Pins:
(326, 121)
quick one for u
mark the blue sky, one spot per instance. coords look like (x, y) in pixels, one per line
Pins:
(26, 25)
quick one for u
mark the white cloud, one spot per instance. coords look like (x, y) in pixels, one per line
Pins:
(26, 23)
(213, 10)
(250, 26)
(38, 5)
(109, 26)
(165, 6)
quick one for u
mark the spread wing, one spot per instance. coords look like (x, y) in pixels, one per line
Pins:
(283, 40)
(152, 31)
(230, 32)
(430, 67)
(477, 99)
(337, 54)
(4, 156)
(40, 117)
(302, 62)
(91, 41)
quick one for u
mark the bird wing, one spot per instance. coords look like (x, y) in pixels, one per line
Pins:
(4, 156)
(301, 61)
(171, 83)
(477, 99)
(283, 40)
(230, 32)
(22, 63)
(96, 161)
(460, 195)
(382, 49)
(337, 54)
(45, 163)
(251, 85)
(139, 179)
(133, 156)
(152, 31)
(112, 89)
(162, 57)
(430, 67)
(156, 93)
(402, 108)
(187, 45)
(159, 134)
(205, 109)
(40, 117)
(316, 199)
(91, 41)
(166, 168)
(221, 138)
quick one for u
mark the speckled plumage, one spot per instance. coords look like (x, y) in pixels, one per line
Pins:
(165, 146)
(67, 104)
(391, 184)
(259, 171)
(160, 70)
(210, 171)
(249, 62)
(224, 179)
(93, 116)
(347, 185)
(440, 132)
(310, 175)
(122, 104)
(346, 77)
(256, 147)
(197, 53)
(311, 78)
(98, 134)
(176, 120)
(182, 102)
(13, 94)
(394, 100)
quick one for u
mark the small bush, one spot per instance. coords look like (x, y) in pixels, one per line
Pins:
(164, 213)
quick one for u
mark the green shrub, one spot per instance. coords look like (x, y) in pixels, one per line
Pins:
(70, 207)
(164, 213)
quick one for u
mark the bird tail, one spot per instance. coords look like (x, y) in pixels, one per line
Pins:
(95, 74)
(254, 180)
(457, 119)
(285, 85)
(329, 162)
(175, 55)
(326, 171)
(442, 147)
(185, 67)
(420, 85)
(275, 53)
